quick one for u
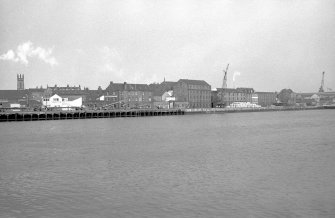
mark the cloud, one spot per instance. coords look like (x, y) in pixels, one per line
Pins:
(27, 50)
(10, 55)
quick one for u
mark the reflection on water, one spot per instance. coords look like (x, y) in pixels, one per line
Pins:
(271, 164)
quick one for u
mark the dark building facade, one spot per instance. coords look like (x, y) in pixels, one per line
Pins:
(8, 97)
(129, 95)
(196, 92)
(226, 96)
(266, 99)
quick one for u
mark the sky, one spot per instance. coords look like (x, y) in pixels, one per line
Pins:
(269, 45)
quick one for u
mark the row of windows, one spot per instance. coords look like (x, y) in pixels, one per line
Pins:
(137, 99)
(204, 97)
(55, 99)
(199, 87)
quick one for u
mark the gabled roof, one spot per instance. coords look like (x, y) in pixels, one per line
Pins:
(194, 82)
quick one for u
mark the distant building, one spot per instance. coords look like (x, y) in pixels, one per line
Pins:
(163, 94)
(64, 88)
(63, 102)
(72, 92)
(36, 93)
(227, 96)
(20, 81)
(130, 95)
(315, 98)
(266, 99)
(8, 97)
(197, 93)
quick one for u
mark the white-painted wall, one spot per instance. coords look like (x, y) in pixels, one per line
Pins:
(58, 101)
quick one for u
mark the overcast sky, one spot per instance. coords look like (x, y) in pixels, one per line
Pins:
(270, 45)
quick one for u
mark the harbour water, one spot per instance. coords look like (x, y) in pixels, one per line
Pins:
(271, 164)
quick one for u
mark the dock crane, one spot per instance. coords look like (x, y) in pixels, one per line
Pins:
(224, 83)
(322, 82)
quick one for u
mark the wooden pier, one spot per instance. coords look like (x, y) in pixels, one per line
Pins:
(70, 115)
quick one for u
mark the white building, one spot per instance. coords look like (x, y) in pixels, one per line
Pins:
(243, 105)
(58, 101)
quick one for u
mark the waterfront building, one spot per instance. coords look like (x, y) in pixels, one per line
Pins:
(315, 98)
(64, 88)
(130, 95)
(266, 99)
(11, 97)
(163, 94)
(63, 102)
(197, 93)
(165, 100)
(227, 96)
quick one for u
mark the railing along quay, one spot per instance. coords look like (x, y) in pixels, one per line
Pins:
(81, 114)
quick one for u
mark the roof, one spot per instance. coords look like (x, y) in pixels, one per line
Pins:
(160, 89)
(226, 90)
(13, 94)
(70, 97)
(169, 84)
(127, 87)
(194, 82)
(237, 90)
(36, 90)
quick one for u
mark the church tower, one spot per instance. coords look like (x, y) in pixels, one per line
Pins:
(20, 81)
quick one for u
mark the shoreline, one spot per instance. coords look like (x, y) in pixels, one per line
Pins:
(241, 110)
(18, 116)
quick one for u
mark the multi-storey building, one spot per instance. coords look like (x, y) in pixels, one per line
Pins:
(196, 92)
(130, 95)
(226, 96)
(266, 99)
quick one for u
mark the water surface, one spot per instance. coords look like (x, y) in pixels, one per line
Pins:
(266, 164)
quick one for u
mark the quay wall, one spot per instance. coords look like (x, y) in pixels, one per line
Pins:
(70, 115)
(236, 110)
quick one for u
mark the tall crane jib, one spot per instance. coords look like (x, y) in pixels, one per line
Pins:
(322, 82)
(224, 83)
